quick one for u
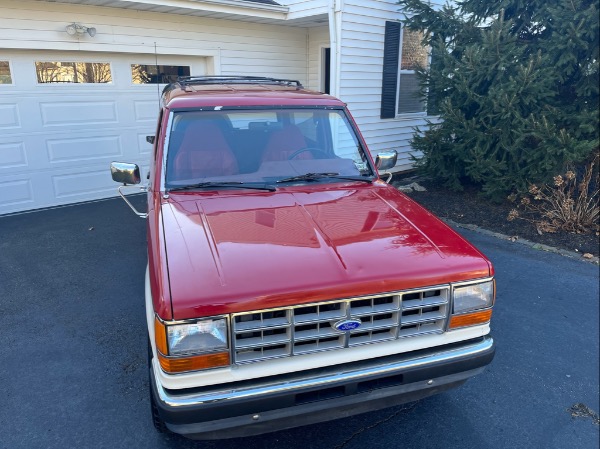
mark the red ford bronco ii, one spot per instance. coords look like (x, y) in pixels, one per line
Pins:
(287, 284)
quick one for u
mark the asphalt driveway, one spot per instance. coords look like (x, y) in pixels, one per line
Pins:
(73, 350)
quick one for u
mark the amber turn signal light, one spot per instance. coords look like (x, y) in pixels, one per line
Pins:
(470, 319)
(160, 336)
(193, 363)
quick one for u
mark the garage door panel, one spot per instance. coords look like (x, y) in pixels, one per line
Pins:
(12, 156)
(69, 113)
(9, 116)
(21, 114)
(90, 183)
(57, 139)
(83, 112)
(140, 110)
(21, 154)
(28, 112)
(146, 111)
(16, 194)
(84, 149)
(144, 147)
(41, 153)
(130, 146)
(144, 171)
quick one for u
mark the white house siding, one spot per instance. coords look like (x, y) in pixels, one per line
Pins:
(46, 163)
(318, 39)
(241, 47)
(361, 67)
(305, 8)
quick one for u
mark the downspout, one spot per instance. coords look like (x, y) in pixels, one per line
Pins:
(335, 37)
(307, 74)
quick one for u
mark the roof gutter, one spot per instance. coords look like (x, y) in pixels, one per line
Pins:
(239, 7)
(245, 4)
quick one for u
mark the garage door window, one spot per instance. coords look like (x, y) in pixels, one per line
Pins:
(73, 72)
(157, 74)
(5, 77)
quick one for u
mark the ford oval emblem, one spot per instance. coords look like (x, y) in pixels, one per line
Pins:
(347, 325)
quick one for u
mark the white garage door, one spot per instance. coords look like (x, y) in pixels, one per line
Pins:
(64, 116)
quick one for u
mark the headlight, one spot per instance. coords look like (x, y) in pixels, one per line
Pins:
(473, 297)
(191, 346)
(199, 337)
(472, 304)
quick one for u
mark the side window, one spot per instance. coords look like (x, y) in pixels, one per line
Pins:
(5, 75)
(345, 143)
(73, 72)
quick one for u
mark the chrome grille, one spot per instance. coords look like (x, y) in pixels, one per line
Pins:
(285, 332)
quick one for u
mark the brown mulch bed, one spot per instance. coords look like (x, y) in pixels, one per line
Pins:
(468, 207)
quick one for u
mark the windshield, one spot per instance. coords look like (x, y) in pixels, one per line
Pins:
(262, 146)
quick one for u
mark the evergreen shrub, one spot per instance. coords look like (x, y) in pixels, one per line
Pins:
(515, 85)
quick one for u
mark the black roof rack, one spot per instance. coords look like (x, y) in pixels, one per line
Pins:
(184, 81)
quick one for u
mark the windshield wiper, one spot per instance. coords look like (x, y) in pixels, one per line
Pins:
(315, 176)
(231, 184)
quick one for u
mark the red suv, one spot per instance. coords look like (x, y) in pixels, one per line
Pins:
(287, 284)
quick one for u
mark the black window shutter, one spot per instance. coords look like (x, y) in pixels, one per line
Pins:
(389, 85)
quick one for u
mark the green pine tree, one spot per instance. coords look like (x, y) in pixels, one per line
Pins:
(515, 84)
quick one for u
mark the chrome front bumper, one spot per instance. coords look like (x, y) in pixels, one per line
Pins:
(285, 401)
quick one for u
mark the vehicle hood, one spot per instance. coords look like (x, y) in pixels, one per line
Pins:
(238, 251)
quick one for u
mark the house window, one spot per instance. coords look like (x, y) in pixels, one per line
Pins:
(403, 53)
(73, 72)
(157, 74)
(413, 56)
(5, 77)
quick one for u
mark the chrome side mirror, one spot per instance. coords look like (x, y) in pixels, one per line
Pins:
(125, 173)
(386, 160)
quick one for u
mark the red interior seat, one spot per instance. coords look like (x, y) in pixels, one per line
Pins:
(285, 142)
(203, 152)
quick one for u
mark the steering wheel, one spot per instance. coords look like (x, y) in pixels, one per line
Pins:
(318, 153)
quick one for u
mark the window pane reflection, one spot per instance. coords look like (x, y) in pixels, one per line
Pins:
(157, 74)
(5, 77)
(414, 54)
(73, 72)
(409, 99)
